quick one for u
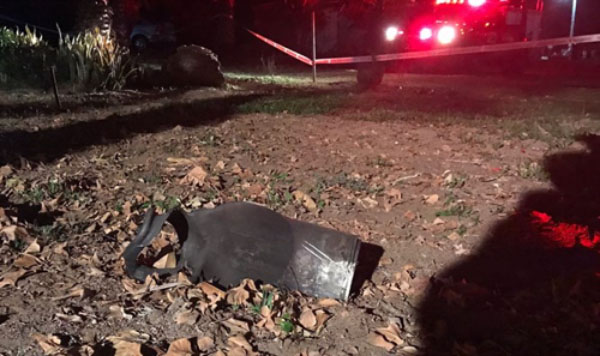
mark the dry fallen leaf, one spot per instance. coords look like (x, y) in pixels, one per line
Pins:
(460, 250)
(238, 296)
(306, 200)
(250, 285)
(411, 350)
(394, 193)
(438, 221)
(453, 236)
(5, 171)
(126, 208)
(67, 317)
(59, 249)
(11, 278)
(74, 292)
(211, 291)
(129, 335)
(14, 232)
(205, 343)
(328, 303)
(267, 320)
(385, 261)
(379, 341)
(195, 177)
(180, 347)
(167, 261)
(95, 271)
(237, 351)
(95, 260)
(410, 216)
(127, 348)
(26, 261)
(241, 172)
(183, 279)
(265, 311)
(237, 325)
(33, 248)
(239, 341)
(309, 353)
(137, 289)
(118, 312)
(368, 203)
(50, 344)
(307, 319)
(49, 205)
(180, 161)
(391, 333)
(186, 317)
(132, 286)
(322, 317)
(432, 199)
(255, 189)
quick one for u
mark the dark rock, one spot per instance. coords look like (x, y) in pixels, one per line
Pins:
(193, 66)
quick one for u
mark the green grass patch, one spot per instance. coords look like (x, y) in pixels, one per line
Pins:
(299, 104)
(269, 79)
(532, 170)
(460, 210)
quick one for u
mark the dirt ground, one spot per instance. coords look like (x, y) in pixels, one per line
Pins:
(481, 192)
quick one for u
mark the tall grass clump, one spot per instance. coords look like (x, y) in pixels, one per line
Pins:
(94, 61)
(84, 61)
(23, 57)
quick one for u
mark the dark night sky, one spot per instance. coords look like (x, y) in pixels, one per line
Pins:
(557, 17)
(49, 12)
(39, 12)
(44, 12)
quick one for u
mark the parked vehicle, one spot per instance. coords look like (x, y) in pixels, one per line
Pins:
(469, 22)
(145, 34)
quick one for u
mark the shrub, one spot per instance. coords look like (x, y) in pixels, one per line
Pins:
(17, 39)
(94, 61)
(86, 61)
(23, 57)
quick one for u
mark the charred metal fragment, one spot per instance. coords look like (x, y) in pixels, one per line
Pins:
(242, 240)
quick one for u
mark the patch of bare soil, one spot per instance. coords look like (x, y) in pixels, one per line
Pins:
(482, 223)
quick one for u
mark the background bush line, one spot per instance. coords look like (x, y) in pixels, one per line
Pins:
(86, 61)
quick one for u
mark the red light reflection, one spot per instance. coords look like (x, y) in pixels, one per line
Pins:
(565, 235)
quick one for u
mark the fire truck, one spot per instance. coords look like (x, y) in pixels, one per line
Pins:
(467, 23)
(450, 23)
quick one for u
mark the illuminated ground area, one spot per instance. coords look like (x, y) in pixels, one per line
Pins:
(443, 172)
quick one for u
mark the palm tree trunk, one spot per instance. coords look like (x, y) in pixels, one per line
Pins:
(94, 15)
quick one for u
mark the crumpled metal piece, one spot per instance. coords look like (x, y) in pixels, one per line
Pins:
(242, 240)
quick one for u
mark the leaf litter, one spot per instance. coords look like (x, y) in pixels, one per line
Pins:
(63, 225)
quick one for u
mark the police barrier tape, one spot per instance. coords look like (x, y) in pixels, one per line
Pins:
(434, 52)
(289, 52)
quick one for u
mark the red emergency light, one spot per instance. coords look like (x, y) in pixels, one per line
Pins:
(473, 3)
(439, 2)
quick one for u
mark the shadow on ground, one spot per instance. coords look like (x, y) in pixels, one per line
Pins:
(49, 144)
(367, 261)
(45, 104)
(31, 213)
(533, 286)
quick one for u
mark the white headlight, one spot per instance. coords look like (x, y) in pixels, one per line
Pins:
(425, 34)
(446, 34)
(476, 3)
(391, 33)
